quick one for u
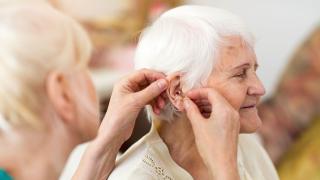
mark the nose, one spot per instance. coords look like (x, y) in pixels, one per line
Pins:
(256, 87)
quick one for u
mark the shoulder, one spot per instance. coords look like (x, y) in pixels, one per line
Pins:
(131, 165)
(250, 145)
(128, 162)
(150, 159)
(254, 158)
(146, 159)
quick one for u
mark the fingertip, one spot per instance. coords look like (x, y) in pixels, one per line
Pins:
(191, 109)
(192, 94)
(187, 103)
(162, 84)
(189, 93)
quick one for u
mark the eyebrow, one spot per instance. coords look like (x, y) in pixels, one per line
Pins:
(245, 65)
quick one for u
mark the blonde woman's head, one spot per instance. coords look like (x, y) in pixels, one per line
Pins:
(43, 59)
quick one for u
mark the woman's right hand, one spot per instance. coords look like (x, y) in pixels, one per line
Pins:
(216, 128)
(128, 98)
(130, 95)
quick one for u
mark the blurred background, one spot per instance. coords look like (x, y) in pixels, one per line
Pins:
(287, 46)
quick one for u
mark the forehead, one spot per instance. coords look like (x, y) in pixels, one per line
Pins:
(234, 52)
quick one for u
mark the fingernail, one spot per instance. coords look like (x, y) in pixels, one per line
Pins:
(162, 83)
(186, 103)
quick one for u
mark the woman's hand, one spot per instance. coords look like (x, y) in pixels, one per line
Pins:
(128, 98)
(216, 128)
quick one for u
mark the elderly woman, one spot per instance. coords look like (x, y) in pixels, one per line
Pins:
(208, 57)
(48, 104)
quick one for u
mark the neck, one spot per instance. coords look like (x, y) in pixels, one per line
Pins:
(178, 136)
(27, 154)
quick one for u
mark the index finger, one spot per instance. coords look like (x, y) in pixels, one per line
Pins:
(198, 94)
(145, 77)
(205, 93)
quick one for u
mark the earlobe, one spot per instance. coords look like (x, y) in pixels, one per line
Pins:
(60, 96)
(174, 91)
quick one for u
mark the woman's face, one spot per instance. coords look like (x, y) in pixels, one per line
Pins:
(234, 76)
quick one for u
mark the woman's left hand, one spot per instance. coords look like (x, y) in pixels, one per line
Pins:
(128, 98)
(216, 129)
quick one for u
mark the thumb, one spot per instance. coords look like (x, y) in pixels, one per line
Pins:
(192, 110)
(152, 91)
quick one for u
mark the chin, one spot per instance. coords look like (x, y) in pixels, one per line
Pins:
(250, 124)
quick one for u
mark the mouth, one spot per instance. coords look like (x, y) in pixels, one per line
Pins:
(248, 106)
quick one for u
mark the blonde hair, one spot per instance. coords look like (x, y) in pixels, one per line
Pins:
(35, 39)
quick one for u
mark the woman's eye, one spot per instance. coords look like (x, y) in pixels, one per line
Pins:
(243, 74)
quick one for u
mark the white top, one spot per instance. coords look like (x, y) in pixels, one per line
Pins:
(149, 159)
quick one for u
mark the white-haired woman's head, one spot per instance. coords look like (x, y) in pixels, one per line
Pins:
(39, 48)
(187, 40)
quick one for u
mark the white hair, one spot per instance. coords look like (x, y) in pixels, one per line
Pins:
(35, 39)
(186, 39)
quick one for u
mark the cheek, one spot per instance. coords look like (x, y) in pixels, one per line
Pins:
(91, 90)
(93, 98)
(90, 111)
(234, 93)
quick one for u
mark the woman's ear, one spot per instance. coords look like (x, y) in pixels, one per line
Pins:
(174, 91)
(60, 96)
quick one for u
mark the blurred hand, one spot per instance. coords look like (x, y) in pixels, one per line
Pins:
(216, 128)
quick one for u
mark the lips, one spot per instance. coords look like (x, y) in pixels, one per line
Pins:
(248, 106)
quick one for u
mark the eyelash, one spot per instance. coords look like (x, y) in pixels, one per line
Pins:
(242, 75)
